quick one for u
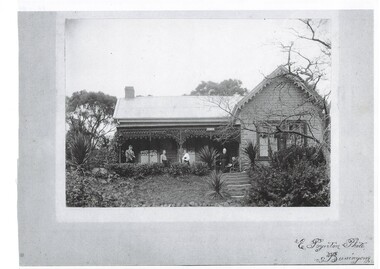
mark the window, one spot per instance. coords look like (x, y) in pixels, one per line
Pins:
(270, 141)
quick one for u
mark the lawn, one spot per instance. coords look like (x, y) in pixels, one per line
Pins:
(163, 190)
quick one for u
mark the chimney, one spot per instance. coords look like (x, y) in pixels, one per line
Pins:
(129, 92)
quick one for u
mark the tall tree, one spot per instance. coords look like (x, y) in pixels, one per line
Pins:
(227, 87)
(90, 113)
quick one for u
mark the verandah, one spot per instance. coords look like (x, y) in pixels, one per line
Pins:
(148, 144)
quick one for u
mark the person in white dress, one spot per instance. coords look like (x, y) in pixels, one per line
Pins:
(186, 157)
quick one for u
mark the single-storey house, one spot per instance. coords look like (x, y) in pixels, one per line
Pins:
(274, 115)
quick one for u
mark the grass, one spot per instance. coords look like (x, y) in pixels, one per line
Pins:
(154, 191)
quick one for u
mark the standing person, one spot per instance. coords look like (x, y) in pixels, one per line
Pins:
(164, 159)
(223, 159)
(130, 155)
(186, 157)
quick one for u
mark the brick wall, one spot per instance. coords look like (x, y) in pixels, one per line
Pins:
(277, 100)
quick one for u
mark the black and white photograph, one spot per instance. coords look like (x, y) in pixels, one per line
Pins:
(198, 112)
(196, 137)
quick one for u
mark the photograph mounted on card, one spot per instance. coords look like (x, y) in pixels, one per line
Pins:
(159, 130)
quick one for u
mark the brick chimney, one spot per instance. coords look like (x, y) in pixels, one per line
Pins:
(129, 92)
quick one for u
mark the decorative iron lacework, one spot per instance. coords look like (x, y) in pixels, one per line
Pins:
(180, 135)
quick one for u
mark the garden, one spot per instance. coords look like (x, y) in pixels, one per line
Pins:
(296, 176)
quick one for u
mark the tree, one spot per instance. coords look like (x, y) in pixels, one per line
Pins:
(90, 113)
(313, 70)
(228, 87)
(308, 71)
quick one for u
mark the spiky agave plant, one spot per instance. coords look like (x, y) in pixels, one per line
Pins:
(251, 152)
(80, 149)
(217, 185)
(208, 155)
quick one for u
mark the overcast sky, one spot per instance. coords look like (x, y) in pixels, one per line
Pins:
(172, 56)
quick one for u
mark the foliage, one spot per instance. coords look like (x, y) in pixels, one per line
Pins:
(103, 156)
(208, 155)
(251, 152)
(131, 170)
(287, 158)
(86, 191)
(217, 185)
(293, 178)
(80, 148)
(199, 169)
(138, 170)
(179, 169)
(90, 113)
(228, 87)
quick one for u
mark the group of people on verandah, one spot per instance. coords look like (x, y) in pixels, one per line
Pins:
(223, 163)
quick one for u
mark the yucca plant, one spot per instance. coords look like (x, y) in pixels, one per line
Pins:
(217, 185)
(80, 149)
(251, 152)
(208, 155)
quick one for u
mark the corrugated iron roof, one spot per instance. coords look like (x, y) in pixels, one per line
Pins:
(175, 107)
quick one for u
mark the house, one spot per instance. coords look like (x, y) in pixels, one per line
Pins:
(280, 111)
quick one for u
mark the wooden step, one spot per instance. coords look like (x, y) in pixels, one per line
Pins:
(237, 197)
(239, 187)
(238, 180)
(235, 175)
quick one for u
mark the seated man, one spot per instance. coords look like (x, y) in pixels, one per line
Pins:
(235, 164)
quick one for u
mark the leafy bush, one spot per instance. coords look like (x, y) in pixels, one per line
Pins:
(86, 191)
(208, 155)
(199, 169)
(295, 177)
(137, 170)
(179, 169)
(287, 158)
(80, 149)
(251, 152)
(103, 156)
(217, 185)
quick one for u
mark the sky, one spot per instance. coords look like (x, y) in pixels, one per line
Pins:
(168, 57)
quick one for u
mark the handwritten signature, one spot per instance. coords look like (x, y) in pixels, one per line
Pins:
(336, 251)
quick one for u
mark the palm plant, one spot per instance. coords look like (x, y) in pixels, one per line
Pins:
(251, 152)
(217, 185)
(208, 155)
(80, 149)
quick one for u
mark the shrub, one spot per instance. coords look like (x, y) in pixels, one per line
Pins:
(251, 152)
(87, 191)
(179, 169)
(123, 169)
(217, 185)
(103, 156)
(295, 177)
(208, 155)
(287, 158)
(200, 169)
(80, 149)
(142, 170)
(137, 170)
